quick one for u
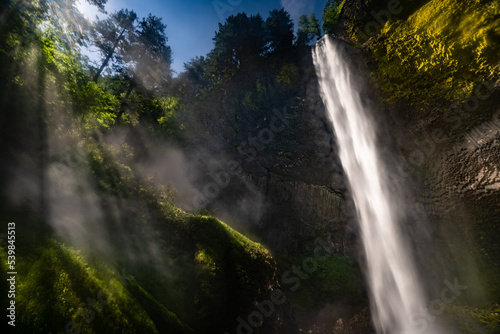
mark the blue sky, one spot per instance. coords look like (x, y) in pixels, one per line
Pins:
(191, 24)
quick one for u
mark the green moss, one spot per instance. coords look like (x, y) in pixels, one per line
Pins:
(56, 289)
(164, 320)
(220, 248)
(442, 51)
(468, 320)
(339, 276)
(335, 278)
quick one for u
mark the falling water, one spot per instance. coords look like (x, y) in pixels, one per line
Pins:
(396, 295)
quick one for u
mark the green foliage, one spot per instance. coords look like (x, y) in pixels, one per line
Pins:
(148, 55)
(331, 14)
(309, 29)
(203, 273)
(239, 41)
(169, 107)
(111, 37)
(110, 175)
(339, 276)
(196, 79)
(99, 105)
(279, 28)
(135, 47)
(441, 52)
(62, 76)
(288, 76)
(226, 259)
(98, 3)
(242, 42)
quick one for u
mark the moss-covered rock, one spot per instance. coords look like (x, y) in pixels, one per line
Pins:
(469, 320)
(145, 266)
(335, 278)
(56, 290)
(442, 51)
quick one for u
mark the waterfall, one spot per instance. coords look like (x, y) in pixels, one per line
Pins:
(395, 292)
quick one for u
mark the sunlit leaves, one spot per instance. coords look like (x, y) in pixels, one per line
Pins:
(169, 107)
(99, 105)
(309, 29)
(331, 13)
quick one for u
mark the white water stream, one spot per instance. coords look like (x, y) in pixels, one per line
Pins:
(396, 295)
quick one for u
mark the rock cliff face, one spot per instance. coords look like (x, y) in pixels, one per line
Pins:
(457, 167)
(455, 174)
(298, 212)
(287, 184)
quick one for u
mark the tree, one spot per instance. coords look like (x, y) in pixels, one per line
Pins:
(99, 4)
(197, 75)
(303, 31)
(309, 29)
(331, 13)
(279, 30)
(148, 58)
(314, 26)
(196, 69)
(239, 41)
(112, 35)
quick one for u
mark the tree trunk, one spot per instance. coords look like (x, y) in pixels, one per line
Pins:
(104, 64)
(108, 56)
(42, 143)
(125, 99)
